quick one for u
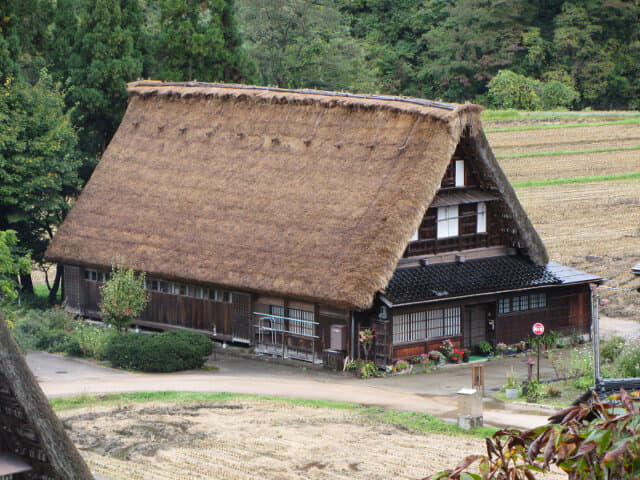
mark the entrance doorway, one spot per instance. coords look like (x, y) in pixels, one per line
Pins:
(475, 325)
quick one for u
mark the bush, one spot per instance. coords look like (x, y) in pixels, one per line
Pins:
(611, 348)
(161, 352)
(511, 90)
(587, 441)
(628, 363)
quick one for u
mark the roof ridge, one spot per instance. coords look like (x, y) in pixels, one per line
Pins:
(306, 91)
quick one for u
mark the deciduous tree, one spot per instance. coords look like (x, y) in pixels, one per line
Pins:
(124, 297)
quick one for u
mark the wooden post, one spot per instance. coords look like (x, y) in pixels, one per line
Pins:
(477, 376)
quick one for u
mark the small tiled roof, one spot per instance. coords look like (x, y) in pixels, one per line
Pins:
(570, 275)
(458, 279)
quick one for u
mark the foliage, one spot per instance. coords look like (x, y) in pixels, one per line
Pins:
(102, 60)
(485, 347)
(456, 355)
(511, 90)
(446, 348)
(37, 162)
(596, 440)
(501, 348)
(532, 389)
(200, 40)
(628, 363)
(55, 331)
(400, 366)
(297, 43)
(124, 297)
(512, 379)
(11, 265)
(368, 369)
(611, 348)
(161, 352)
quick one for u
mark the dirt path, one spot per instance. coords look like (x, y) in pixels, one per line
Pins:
(61, 376)
(610, 327)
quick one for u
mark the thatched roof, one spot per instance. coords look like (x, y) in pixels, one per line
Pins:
(313, 195)
(30, 425)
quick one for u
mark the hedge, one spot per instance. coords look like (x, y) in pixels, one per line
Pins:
(160, 352)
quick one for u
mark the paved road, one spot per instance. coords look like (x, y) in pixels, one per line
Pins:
(432, 393)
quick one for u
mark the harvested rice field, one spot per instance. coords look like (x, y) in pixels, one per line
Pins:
(570, 166)
(255, 439)
(594, 227)
(591, 226)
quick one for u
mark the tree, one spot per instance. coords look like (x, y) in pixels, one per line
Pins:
(199, 40)
(11, 266)
(298, 43)
(102, 62)
(38, 164)
(9, 41)
(124, 297)
(511, 90)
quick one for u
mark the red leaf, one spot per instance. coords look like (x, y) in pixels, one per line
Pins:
(585, 448)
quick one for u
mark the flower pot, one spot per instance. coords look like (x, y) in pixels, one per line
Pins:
(512, 392)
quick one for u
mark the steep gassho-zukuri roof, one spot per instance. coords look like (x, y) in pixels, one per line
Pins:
(31, 436)
(313, 195)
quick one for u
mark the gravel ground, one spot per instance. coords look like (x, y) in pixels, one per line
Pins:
(251, 439)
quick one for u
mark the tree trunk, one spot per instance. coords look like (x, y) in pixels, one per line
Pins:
(26, 284)
(53, 293)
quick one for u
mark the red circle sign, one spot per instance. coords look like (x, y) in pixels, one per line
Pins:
(538, 328)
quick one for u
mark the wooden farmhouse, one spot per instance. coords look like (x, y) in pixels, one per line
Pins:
(33, 443)
(293, 219)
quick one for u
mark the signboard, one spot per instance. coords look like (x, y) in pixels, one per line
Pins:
(538, 328)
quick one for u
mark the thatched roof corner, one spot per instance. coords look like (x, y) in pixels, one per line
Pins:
(62, 458)
(300, 193)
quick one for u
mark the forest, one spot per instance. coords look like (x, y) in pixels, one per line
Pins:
(64, 65)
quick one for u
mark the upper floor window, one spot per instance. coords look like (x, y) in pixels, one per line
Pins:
(459, 173)
(481, 223)
(447, 222)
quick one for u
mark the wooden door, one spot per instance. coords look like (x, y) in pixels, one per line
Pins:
(475, 325)
(241, 317)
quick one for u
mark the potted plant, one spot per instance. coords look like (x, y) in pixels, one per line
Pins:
(501, 348)
(485, 348)
(456, 356)
(512, 385)
(465, 355)
(446, 348)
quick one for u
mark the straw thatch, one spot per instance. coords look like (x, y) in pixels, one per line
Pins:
(312, 195)
(40, 428)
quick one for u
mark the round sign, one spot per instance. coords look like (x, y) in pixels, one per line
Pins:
(538, 328)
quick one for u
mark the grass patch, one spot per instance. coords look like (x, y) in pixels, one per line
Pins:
(569, 152)
(560, 181)
(412, 421)
(524, 128)
(422, 423)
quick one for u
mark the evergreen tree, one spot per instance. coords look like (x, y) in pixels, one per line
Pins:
(103, 61)
(9, 41)
(297, 43)
(199, 40)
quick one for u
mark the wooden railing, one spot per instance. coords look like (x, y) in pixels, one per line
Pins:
(434, 246)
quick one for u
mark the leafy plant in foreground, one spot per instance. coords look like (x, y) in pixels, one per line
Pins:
(587, 441)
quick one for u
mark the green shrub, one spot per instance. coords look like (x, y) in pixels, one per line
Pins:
(162, 352)
(90, 340)
(611, 348)
(628, 363)
(512, 90)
